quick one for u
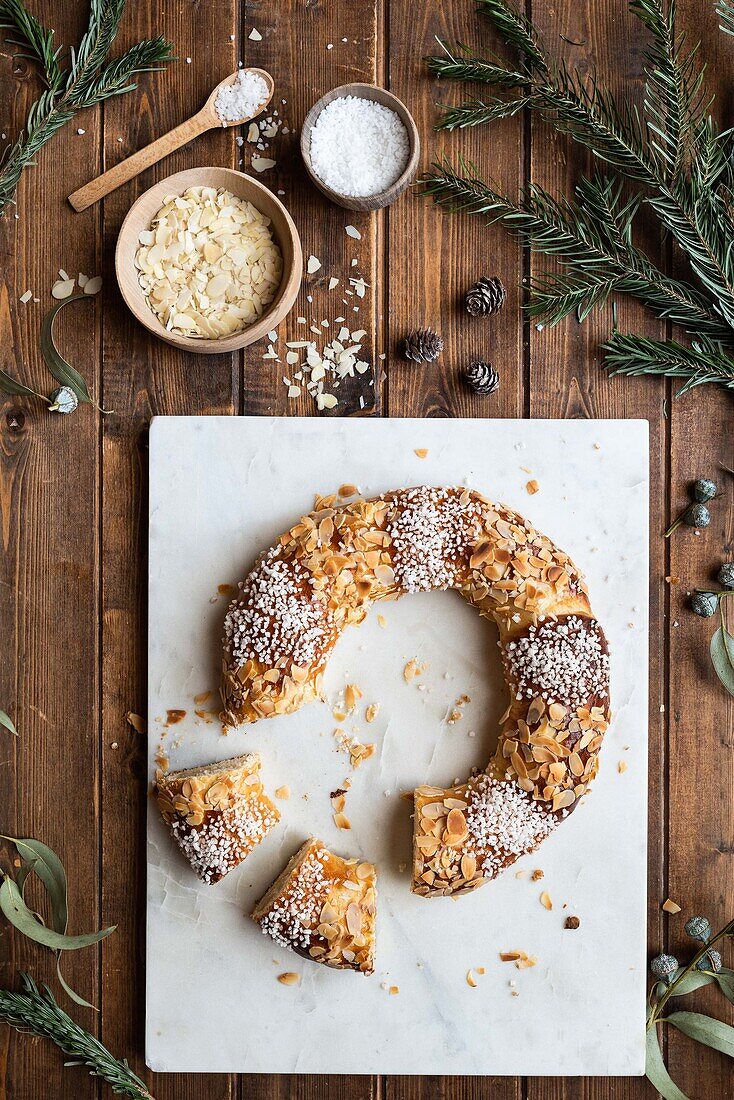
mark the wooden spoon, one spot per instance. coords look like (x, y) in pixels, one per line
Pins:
(205, 119)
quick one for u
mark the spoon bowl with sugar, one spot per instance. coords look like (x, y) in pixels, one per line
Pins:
(237, 99)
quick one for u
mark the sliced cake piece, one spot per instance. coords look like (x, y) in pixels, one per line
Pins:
(323, 907)
(217, 813)
(463, 836)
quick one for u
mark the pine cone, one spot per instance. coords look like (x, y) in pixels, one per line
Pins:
(485, 297)
(423, 346)
(482, 378)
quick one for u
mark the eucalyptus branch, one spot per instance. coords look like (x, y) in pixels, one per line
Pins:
(88, 80)
(703, 951)
(37, 1012)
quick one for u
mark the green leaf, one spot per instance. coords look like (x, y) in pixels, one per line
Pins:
(656, 1072)
(21, 917)
(76, 997)
(62, 371)
(10, 385)
(704, 1029)
(695, 979)
(23, 874)
(50, 870)
(725, 982)
(6, 721)
(721, 658)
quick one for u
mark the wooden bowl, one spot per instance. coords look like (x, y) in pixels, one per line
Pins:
(244, 187)
(378, 95)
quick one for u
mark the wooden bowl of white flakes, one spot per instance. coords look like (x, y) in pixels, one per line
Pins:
(360, 146)
(201, 289)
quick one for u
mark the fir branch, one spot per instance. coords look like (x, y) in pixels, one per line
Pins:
(591, 236)
(89, 80)
(477, 113)
(467, 67)
(516, 30)
(725, 12)
(37, 1012)
(33, 37)
(634, 356)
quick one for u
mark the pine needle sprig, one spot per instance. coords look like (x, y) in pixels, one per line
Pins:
(36, 1012)
(681, 164)
(635, 356)
(87, 79)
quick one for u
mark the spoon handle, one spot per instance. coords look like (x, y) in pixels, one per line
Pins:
(97, 188)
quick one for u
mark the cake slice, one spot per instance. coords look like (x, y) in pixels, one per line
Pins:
(217, 813)
(323, 907)
(466, 835)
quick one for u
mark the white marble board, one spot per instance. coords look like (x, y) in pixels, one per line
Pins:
(222, 489)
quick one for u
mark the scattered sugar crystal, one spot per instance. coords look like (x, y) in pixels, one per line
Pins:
(358, 146)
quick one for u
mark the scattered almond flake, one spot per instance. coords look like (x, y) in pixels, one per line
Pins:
(351, 231)
(394, 989)
(351, 696)
(342, 821)
(291, 357)
(93, 286)
(273, 336)
(289, 977)
(519, 874)
(333, 282)
(161, 759)
(421, 452)
(253, 132)
(313, 265)
(202, 697)
(537, 875)
(26, 297)
(300, 321)
(81, 131)
(328, 401)
(283, 792)
(359, 334)
(348, 490)
(545, 900)
(673, 580)
(262, 164)
(470, 979)
(520, 958)
(338, 800)
(622, 766)
(62, 288)
(481, 970)
(294, 392)
(255, 35)
(412, 669)
(138, 724)
(532, 487)
(671, 906)
(571, 922)
(381, 621)
(271, 353)
(371, 712)
(82, 279)
(359, 287)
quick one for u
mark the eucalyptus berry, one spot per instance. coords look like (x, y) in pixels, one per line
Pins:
(725, 575)
(710, 961)
(704, 489)
(664, 967)
(704, 604)
(63, 400)
(698, 928)
(697, 515)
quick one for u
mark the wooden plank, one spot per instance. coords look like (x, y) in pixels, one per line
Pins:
(143, 377)
(566, 380)
(701, 836)
(304, 47)
(433, 260)
(48, 568)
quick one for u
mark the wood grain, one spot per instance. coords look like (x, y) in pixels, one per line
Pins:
(73, 491)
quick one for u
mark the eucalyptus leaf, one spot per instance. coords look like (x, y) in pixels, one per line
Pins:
(22, 875)
(725, 982)
(7, 721)
(62, 371)
(21, 917)
(10, 385)
(50, 870)
(656, 1072)
(694, 979)
(721, 660)
(76, 997)
(704, 1029)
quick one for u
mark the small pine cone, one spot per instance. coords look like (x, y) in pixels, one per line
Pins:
(485, 297)
(482, 378)
(423, 346)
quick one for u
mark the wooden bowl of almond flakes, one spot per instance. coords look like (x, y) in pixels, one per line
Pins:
(168, 324)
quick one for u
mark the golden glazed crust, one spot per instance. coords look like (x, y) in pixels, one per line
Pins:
(331, 566)
(323, 907)
(217, 813)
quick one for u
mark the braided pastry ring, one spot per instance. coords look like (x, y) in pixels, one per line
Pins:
(327, 570)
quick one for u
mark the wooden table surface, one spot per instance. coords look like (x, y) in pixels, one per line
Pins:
(73, 489)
